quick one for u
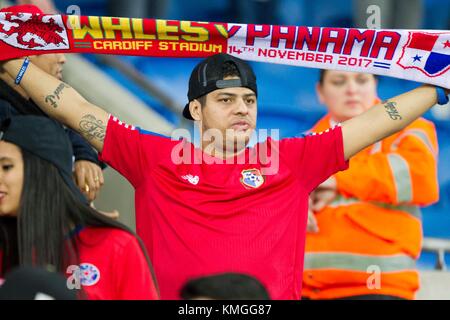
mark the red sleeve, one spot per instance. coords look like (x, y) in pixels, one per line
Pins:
(130, 150)
(315, 157)
(135, 281)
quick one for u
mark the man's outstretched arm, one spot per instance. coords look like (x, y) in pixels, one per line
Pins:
(387, 118)
(62, 102)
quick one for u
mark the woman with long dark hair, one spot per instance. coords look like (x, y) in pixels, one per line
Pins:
(44, 222)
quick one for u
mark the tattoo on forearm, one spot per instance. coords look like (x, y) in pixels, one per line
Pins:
(392, 110)
(52, 99)
(92, 129)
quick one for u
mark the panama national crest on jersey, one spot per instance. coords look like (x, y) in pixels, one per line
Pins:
(36, 32)
(90, 274)
(252, 178)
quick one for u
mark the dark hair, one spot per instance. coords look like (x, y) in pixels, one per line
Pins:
(9, 246)
(322, 76)
(226, 286)
(229, 69)
(40, 235)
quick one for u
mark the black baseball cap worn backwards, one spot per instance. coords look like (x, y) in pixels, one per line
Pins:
(208, 76)
(46, 139)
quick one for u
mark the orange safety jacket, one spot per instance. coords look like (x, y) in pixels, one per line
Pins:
(370, 236)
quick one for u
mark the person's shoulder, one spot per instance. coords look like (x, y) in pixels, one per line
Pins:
(422, 123)
(165, 139)
(317, 131)
(283, 145)
(152, 133)
(143, 133)
(114, 237)
(421, 129)
(322, 124)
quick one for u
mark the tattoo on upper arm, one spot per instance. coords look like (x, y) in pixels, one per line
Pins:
(52, 99)
(92, 129)
(392, 110)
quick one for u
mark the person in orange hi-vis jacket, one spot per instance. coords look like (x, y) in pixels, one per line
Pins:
(364, 225)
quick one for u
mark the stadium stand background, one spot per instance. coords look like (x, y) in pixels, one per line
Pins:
(287, 97)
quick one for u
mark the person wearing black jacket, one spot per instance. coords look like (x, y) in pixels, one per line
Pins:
(86, 165)
(14, 101)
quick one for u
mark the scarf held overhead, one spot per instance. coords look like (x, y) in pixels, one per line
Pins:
(422, 56)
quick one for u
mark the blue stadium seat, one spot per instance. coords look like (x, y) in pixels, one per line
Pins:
(293, 12)
(427, 261)
(88, 8)
(325, 13)
(286, 87)
(437, 14)
(444, 153)
(199, 10)
(170, 75)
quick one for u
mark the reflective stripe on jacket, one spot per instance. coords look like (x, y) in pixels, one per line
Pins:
(370, 236)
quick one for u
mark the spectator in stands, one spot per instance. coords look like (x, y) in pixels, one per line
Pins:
(225, 286)
(200, 213)
(14, 100)
(365, 233)
(43, 220)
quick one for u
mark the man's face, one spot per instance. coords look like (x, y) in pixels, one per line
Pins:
(51, 63)
(232, 112)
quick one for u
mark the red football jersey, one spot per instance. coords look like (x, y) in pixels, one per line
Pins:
(198, 218)
(113, 266)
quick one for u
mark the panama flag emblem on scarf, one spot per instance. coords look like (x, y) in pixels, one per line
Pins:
(428, 53)
(422, 56)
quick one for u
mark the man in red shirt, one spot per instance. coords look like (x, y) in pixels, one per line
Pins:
(223, 207)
